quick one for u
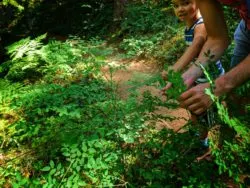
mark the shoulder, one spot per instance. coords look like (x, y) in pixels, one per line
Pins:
(200, 27)
(197, 22)
(200, 30)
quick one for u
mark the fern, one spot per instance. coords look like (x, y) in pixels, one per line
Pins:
(8, 91)
(24, 47)
(13, 3)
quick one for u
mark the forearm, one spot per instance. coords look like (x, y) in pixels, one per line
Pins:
(234, 78)
(216, 48)
(190, 54)
(217, 40)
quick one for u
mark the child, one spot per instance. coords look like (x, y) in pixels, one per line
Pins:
(195, 33)
(195, 37)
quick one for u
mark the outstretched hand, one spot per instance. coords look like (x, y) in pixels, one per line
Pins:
(164, 89)
(195, 99)
(188, 82)
(164, 75)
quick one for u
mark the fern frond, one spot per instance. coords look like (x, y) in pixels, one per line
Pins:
(24, 47)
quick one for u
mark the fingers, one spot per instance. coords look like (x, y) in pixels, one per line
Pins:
(164, 75)
(195, 99)
(186, 95)
(196, 106)
(163, 90)
(169, 84)
(190, 98)
(197, 109)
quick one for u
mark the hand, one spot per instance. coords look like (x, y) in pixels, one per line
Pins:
(187, 81)
(195, 99)
(163, 90)
(164, 75)
(191, 75)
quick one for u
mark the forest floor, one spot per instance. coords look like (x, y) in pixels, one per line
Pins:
(133, 69)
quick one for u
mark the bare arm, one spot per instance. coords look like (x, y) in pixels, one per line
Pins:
(197, 101)
(217, 40)
(194, 49)
(191, 52)
(234, 78)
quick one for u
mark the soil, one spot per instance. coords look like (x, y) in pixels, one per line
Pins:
(132, 69)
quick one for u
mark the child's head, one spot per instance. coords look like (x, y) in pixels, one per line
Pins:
(185, 10)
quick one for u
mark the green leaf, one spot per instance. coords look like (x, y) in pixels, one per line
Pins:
(59, 166)
(84, 147)
(45, 169)
(78, 168)
(66, 154)
(91, 163)
(52, 164)
(98, 144)
(53, 171)
(81, 183)
(91, 150)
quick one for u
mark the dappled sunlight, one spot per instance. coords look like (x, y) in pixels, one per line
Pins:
(137, 70)
(83, 105)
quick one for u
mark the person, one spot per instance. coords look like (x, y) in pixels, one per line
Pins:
(195, 37)
(195, 34)
(195, 99)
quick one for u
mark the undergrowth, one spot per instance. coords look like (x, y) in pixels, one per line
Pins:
(63, 125)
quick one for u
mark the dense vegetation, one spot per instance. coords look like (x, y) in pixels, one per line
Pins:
(63, 124)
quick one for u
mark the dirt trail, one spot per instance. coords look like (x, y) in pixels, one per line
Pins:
(133, 69)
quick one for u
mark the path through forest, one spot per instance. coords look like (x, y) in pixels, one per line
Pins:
(133, 69)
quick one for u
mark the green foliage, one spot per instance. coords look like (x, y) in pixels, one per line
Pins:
(23, 18)
(13, 3)
(63, 125)
(171, 49)
(31, 60)
(145, 18)
(54, 114)
(232, 19)
(178, 86)
(91, 162)
(165, 159)
(142, 46)
(234, 154)
(25, 47)
(166, 47)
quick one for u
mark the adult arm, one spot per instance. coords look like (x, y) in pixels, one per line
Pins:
(234, 78)
(217, 37)
(197, 101)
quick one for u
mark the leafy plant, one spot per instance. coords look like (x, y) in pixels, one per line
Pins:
(230, 157)
(144, 18)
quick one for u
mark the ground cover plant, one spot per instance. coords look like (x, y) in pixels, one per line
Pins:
(64, 124)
